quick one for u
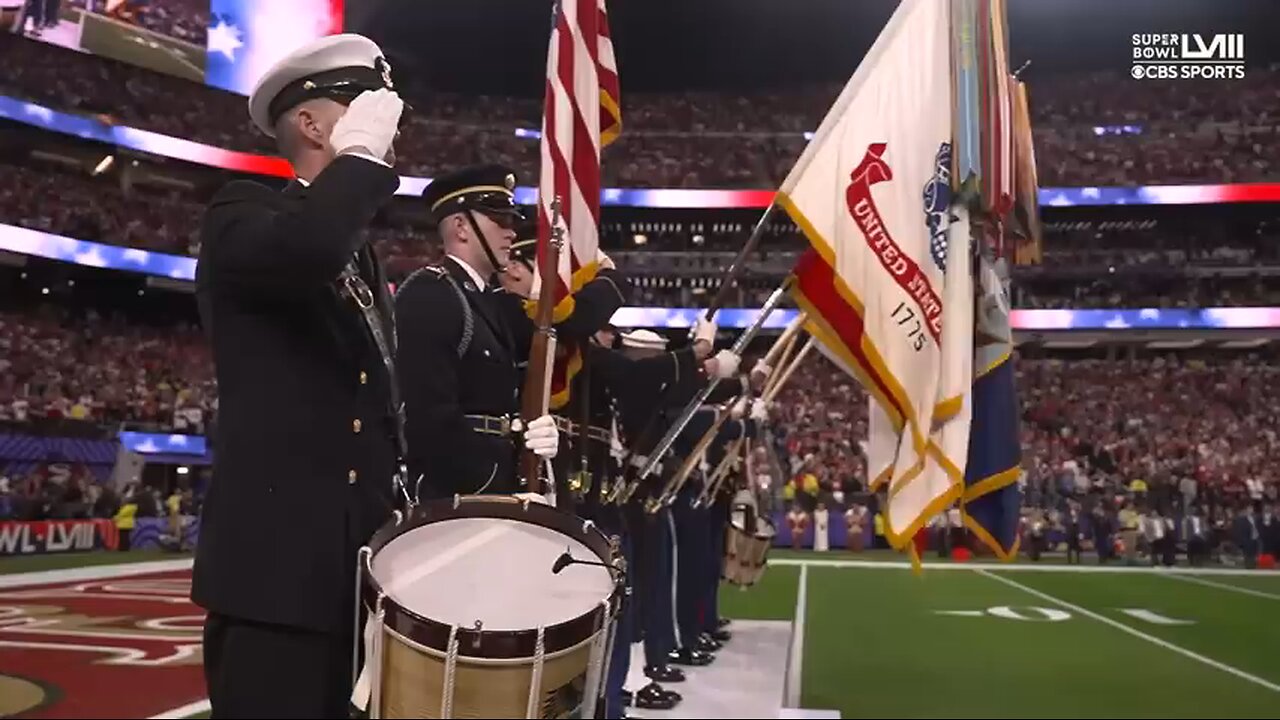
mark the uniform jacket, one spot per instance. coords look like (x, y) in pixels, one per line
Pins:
(451, 368)
(457, 356)
(304, 448)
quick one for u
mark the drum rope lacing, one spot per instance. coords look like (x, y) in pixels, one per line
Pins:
(603, 639)
(375, 703)
(450, 670)
(533, 709)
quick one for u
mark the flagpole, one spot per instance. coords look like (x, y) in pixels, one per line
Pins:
(738, 346)
(730, 280)
(537, 387)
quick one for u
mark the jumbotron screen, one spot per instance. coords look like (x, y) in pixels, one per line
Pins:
(224, 43)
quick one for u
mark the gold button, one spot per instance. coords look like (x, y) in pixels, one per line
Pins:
(351, 477)
(364, 377)
(355, 425)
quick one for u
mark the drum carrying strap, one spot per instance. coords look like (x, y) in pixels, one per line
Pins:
(355, 288)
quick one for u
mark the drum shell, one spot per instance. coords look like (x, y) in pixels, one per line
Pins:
(493, 669)
(412, 682)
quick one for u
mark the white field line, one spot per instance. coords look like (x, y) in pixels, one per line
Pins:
(1136, 633)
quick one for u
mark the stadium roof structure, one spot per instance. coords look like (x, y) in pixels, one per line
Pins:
(494, 46)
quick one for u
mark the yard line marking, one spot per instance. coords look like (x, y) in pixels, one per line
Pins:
(1225, 586)
(97, 572)
(795, 653)
(1017, 567)
(198, 706)
(1136, 633)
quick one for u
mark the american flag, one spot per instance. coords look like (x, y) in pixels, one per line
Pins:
(581, 115)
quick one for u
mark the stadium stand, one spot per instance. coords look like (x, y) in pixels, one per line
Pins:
(1090, 129)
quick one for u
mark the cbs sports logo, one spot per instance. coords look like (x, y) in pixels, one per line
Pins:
(1186, 56)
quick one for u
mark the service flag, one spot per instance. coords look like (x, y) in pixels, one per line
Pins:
(885, 282)
(581, 115)
(992, 499)
(1026, 208)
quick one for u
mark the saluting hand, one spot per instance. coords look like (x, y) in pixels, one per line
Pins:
(371, 122)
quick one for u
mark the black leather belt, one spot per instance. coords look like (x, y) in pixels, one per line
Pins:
(572, 429)
(499, 426)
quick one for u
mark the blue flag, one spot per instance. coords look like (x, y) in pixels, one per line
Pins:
(992, 500)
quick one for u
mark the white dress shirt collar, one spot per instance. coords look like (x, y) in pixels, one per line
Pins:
(472, 272)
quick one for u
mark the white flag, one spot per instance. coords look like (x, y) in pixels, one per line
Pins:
(872, 193)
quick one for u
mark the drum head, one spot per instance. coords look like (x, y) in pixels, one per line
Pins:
(496, 571)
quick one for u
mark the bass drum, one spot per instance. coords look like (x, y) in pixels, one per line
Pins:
(474, 613)
(747, 544)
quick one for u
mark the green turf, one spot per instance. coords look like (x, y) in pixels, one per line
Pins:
(1269, 583)
(876, 647)
(130, 44)
(1234, 628)
(59, 561)
(773, 598)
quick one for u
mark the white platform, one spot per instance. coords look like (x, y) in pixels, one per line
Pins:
(745, 681)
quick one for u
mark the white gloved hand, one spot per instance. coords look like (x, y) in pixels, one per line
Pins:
(536, 287)
(371, 122)
(704, 329)
(761, 368)
(739, 409)
(726, 364)
(759, 410)
(604, 261)
(542, 437)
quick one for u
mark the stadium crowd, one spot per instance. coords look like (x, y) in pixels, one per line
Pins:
(104, 369)
(1090, 130)
(1133, 268)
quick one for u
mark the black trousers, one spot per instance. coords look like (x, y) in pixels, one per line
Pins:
(261, 670)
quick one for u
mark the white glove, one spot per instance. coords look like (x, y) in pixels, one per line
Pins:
(371, 121)
(739, 409)
(759, 410)
(761, 368)
(604, 261)
(536, 287)
(542, 437)
(704, 329)
(727, 364)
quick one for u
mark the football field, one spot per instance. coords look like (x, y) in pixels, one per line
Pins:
(878, 640)
(81, 635)
(109, 37)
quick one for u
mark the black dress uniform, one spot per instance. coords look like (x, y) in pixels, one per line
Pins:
(458, 356)
(586, 419)
(305, 450)
(294, 303)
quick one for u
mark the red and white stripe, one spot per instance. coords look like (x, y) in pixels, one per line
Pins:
(580, 107)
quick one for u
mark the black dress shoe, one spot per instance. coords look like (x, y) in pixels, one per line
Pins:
(664, 673)
(653, 697)
(686, 656)
(721, 636)
(723, 623)
(706, 644)
(671, 693)
(626, 698)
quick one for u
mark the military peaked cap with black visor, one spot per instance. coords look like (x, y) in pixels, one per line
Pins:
(487, 189)
(525, 247)
(338, 67)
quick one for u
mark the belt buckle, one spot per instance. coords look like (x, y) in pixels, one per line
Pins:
(504, 425)
(359, 291)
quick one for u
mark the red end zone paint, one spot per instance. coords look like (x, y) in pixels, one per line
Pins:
(116, 647)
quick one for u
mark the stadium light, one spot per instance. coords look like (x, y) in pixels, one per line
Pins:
(183, 469)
